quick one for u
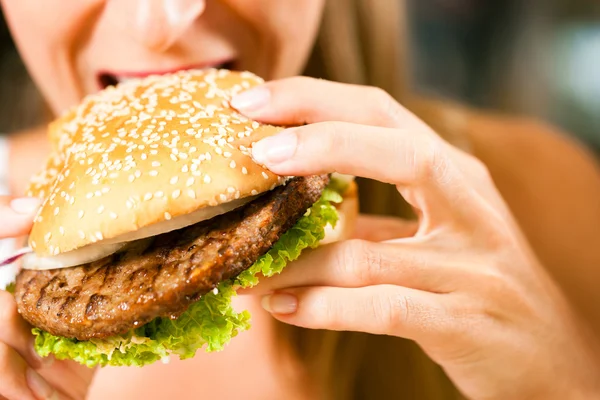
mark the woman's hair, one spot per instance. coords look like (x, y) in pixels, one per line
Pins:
(365, 42)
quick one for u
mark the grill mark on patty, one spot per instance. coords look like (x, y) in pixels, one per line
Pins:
(63, 306)
(179, 267)
(95, 301)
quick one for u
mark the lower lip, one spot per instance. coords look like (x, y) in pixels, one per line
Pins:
(108, 78)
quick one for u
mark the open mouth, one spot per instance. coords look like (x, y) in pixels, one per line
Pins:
(106, 79)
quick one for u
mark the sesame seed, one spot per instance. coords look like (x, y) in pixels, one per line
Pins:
(99, 235)
(81, 213)
(159, 194)
(206, 179)
(244, 171)
(230, 189)
(147, 196)
(167, 216)
(113, 215)
(176, 193)
(174, 180)
(61, 230)
(232, 164)
(100, 209)
(81, 234)
(191, 193)
(153, 173)
(264, 174)
(190, 182)
(222, 197)
(56, 211)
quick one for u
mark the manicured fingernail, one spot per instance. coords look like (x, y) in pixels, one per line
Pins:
(280, 303)
(39, 386)
(251, 100)
(275, 149)
(25, 205)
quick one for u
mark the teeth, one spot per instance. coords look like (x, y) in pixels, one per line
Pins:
(123, 80)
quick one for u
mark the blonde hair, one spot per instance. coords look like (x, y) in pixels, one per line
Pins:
(364, 42)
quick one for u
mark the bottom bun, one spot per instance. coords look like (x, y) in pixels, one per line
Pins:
(348, 211)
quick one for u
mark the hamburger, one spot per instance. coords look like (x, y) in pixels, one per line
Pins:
(153, 214)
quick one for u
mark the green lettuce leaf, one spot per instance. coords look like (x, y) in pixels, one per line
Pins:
(211, 322)
(10, 288)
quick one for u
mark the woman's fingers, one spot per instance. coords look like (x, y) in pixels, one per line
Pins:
(383, 309)
(358, 263)
(419, 165)
(19, 381)
(17, 215)
(16, 333)
(300, 100)
(376, 228)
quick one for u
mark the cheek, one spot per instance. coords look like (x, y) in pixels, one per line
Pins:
(47, 34)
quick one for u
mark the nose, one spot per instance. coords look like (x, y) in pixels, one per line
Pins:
(156, 24)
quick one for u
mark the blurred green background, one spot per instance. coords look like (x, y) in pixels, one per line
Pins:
(537, 57)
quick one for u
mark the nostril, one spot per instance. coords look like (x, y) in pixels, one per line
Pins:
(107, 80)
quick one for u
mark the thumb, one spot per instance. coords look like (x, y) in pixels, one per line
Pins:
(16, 215)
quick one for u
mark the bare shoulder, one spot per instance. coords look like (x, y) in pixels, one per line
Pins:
(552, 184)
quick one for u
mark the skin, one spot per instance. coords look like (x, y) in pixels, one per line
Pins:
(467, 263)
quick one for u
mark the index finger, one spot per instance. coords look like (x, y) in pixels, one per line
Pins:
(419, 165)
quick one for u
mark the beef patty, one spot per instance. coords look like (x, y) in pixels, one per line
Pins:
(162, 276)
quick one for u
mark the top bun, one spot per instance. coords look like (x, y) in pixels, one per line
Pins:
(144, 152)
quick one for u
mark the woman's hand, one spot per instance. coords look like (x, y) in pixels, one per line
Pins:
(466, 286)
(24, 375)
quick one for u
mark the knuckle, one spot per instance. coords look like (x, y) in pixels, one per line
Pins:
(359, 263)
(429, 160)
(386, 107)
(392, 310)
(478, 168)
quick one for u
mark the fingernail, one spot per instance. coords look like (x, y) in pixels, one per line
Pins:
(40, 388)
(275, 149)
(251, 100)
(25, 205)
(280, 303)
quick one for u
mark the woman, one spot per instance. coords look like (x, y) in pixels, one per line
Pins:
(464, 283)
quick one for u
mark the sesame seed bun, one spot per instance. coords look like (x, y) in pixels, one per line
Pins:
(148, 152)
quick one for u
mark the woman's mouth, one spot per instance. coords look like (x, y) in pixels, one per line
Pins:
(106, 78)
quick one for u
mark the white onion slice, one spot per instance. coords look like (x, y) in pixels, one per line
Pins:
(104, 248)
(80, 256)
